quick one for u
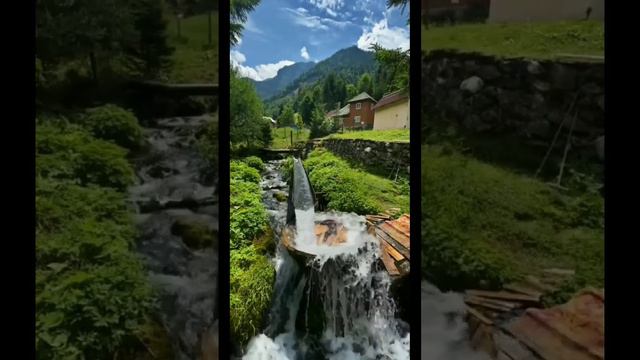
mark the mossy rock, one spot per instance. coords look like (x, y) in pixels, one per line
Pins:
(157, 344)
(280, 196)
(196, 234)
(266, 243)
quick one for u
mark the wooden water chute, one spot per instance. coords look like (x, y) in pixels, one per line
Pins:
(394, 237)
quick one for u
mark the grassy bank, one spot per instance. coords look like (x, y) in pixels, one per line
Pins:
(252, 273)
(400, 135)
(282, 137)
(352, 190)
(195, 60)
(535, 40)
(483, 225)
(92, 295)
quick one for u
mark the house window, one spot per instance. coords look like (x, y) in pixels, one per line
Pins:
(358, 106)
(356, 119)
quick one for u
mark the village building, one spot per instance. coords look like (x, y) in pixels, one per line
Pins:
(392, 112)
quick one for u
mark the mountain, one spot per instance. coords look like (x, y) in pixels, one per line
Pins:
(270, 87)
(350, 63)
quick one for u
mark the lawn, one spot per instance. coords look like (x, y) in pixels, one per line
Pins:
(495, 225)
(282, 137)
(195, 61)
(348, 189)
(535, 40)
(400, 135)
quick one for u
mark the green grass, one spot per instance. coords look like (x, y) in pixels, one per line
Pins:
(353, 190)
(535, 40)
(399, 135)
(483, 225)
(282, 137)
(195, 61)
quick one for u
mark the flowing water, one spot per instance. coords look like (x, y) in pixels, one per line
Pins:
(339, 305)
(172, 189)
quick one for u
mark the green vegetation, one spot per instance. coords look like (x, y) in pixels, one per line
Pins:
(113, 123)
(195, 60)
(248, 128)
(483, 225)
(74, 155)
(252, 274)
(282, 137)
(352, 190)
(92, 295)
(399, 135)
(535, 40)
(255, 162)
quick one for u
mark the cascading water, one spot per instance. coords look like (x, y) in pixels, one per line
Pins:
(337, 307)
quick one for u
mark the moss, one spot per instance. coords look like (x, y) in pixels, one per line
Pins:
(113, 123)
(280, 196)
(241, 171)
(266, 242)
(157, 344)
(252, 277)
(195, 234)
(255, 162)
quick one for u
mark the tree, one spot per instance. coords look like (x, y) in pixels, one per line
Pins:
(150, 54)
(365, 84)
(396, 63)
(239, 13)
(351, 91)
(319, 125)
(72, 30)
(298, 121)
(306, 109)
(245, 112)
(287, 118)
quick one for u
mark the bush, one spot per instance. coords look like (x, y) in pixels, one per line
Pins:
(241, 171)
(208, 143)
(248, 218)
(255, 162)
(91, 290)
(251, 286)
(74, 155)
(113, 123)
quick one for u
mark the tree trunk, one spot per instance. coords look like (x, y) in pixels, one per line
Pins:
(94, 66)
(210, 29)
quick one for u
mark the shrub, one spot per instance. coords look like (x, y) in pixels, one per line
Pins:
(74, 155)
(241, 171)
(255, 162)
(248, 218)
(251, 286)
(113, 123)
(208, 144)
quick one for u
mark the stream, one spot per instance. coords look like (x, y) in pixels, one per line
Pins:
(173, 199)
(338, 306)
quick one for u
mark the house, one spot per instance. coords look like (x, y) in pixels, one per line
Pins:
(392, 112)
(339, 115)
(360, 112)
(545, 10)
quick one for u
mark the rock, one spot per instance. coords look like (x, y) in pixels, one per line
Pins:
(280, 196)
(196, 234)
(534, 67)
(591, 89)
(563, 77)
(541, 86)
(367, 149)
(472, 84)
(489, 72)
(470, 65)
(600, 147)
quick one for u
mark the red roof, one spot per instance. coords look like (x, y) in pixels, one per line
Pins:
(391, 98)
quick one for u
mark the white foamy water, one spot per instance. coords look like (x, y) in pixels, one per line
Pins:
(359, 312)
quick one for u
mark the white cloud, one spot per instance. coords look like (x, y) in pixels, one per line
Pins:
(303, 18)
(258, 73)
(251, 27)
(328, 4)
(304, 53)
(332, 13)
(385, 36)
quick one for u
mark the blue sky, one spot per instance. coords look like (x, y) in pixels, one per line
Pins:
(282, 32)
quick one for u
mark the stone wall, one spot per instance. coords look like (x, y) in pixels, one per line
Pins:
(389, 156)
(524, 98)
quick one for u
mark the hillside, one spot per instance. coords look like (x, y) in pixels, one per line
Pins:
(350, 63)
(270, 87)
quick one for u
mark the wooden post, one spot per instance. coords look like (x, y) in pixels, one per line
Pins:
(291, 137)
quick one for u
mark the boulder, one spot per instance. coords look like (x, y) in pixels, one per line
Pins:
(472, 84)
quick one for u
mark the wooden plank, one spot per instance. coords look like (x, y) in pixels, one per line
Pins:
(503, 295)
(478, 315)
(389, 264)
(523, 289)
(512, 347)
(396, 245)
(396, 235)
(475, 301)
(506, 304)
(391, 251)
